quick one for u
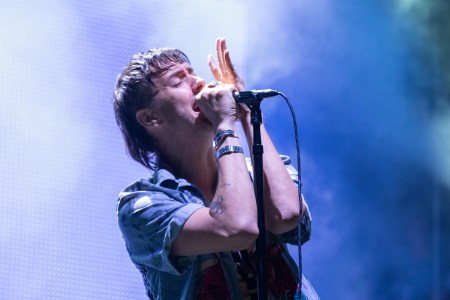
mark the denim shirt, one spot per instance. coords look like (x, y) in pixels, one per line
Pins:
(151, 213)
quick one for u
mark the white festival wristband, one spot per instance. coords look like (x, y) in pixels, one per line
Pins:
(228, 150)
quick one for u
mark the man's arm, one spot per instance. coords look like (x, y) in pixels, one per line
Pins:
(280, 193)
(230, 223)
(281, 202)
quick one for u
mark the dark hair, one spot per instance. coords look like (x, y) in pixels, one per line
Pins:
(135, 90)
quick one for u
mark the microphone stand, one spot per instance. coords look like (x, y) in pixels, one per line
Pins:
(257, 152)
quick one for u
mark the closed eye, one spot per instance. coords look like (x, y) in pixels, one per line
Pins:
(177, 84)
(177, 77)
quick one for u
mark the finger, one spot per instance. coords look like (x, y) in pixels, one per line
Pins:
(229, 64)
(225, 70)
(220, 54)
(215, 71)
(234, 76)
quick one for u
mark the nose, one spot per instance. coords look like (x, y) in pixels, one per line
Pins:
(198, 85)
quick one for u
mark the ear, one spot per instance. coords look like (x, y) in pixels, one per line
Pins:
(147, 118)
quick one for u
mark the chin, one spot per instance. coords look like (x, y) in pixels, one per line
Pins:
(204, 124)
(201, 118)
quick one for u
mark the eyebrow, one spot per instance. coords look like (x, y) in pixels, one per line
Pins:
(176, 73)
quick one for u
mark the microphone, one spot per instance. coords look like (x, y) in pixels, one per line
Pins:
(248, 97)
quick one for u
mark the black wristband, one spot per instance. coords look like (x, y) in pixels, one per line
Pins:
(221, 135)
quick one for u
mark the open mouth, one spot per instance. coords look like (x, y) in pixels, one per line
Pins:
(196, 108)
(199, 113)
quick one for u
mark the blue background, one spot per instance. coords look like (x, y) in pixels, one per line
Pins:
(369, 82)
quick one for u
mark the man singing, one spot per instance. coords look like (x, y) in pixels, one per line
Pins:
(191, 227)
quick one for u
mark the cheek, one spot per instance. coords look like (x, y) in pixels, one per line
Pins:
(176, 103)
(176, 111)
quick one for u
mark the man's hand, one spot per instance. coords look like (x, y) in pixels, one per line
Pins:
(226, 73)
(218, 106)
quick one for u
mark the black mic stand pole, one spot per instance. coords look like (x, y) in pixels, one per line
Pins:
(257, 151)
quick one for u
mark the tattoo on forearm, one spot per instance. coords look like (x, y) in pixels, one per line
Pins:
(216, 205)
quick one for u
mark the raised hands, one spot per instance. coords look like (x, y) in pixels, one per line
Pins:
(225, 72)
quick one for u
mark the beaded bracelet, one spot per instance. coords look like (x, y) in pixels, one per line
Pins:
(228, 150)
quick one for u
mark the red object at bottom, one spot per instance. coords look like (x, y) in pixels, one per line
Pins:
(212, 285)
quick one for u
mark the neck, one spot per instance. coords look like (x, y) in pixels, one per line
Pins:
(195, 164)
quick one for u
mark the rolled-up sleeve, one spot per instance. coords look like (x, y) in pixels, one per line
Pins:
(149, 223)
(291, 236)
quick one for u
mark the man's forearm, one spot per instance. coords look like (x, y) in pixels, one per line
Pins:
(281, 200)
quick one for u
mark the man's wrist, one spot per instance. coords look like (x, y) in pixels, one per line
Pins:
(225, 126)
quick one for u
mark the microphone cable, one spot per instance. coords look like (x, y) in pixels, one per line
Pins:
(299, 191)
